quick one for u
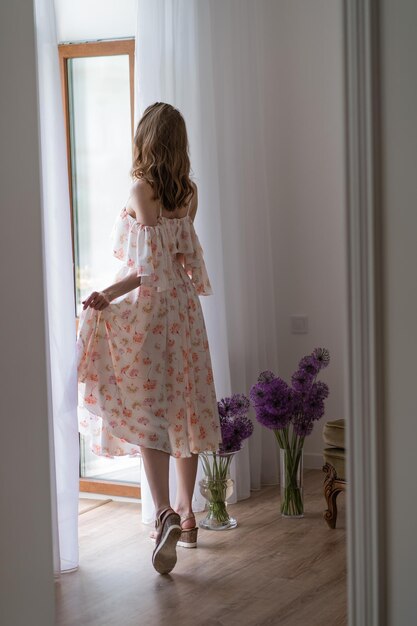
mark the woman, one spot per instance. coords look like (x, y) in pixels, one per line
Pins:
(144, 364)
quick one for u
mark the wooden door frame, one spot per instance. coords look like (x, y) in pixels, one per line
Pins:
(72, 51)
(69, 51)
(110, 488)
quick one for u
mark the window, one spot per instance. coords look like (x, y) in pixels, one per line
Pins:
(97, 87)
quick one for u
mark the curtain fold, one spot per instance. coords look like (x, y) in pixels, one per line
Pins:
(60, 307)
(167, 71)
(206, 58)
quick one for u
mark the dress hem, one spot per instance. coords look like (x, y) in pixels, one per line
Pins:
(139, 455)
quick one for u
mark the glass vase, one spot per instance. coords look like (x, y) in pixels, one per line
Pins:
(216, 486)
(291, 479)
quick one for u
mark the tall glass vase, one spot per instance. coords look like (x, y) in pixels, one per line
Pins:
(216, 487)
(291, 479)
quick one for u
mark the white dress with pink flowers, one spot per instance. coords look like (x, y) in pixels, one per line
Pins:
(144, 367)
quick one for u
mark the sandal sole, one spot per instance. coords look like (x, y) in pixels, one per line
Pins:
(164, 556)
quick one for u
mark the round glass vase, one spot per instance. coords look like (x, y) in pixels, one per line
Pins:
(291, 480)
(216, 486)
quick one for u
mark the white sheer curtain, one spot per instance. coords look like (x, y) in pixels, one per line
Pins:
(206, 58)
(64, 449)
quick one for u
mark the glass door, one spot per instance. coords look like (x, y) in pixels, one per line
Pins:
(98, 88)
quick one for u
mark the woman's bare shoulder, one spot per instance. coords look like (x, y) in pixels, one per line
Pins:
(143, 203)
(141, 190)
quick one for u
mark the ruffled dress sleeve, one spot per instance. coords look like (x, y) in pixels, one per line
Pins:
(196, 267)
(151, 251)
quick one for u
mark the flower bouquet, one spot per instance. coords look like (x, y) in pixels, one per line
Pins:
(290, 411)
(217, 486)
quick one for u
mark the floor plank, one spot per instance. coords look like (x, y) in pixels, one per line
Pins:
(87, 504)
(267, 571)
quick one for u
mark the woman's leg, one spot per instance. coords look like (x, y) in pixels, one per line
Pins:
(186, 474)
(156, 463)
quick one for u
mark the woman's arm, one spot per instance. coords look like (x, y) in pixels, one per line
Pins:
(100, 299)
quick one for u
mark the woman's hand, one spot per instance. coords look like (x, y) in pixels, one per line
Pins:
(98, 300)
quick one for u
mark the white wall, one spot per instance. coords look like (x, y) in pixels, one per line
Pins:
(26, 585)
(305, 118)
(78, 20)
(399, 98)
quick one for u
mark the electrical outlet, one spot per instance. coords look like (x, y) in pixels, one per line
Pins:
(299, 324)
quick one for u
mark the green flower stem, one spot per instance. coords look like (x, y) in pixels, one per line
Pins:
(217, 503)
(216, 468)
(292, 500)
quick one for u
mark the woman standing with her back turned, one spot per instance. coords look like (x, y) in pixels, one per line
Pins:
(144, 367)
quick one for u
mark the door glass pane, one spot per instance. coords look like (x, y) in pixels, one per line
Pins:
(100, 128)
(99, 98)
(122, 469)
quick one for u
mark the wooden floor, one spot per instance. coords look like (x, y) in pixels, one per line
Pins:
(268, 571)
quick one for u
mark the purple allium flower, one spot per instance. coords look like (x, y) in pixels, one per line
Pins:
(225, 405)
(313, 407)
(241, 404)
(323, 357)
(279, 397)
(272, 420)
(258, 394)
(320, 390)
(302, 381)
(266, 376)
(234, 432)
(246, 427)
(277, 405)
(234, 425)
(238, 404)
(310, 365)
(273, 402)
(302, 425)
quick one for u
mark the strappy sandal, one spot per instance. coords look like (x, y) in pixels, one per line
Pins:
(188, 537)
(164, 556)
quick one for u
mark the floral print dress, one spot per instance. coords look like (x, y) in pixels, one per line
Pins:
(144, 367)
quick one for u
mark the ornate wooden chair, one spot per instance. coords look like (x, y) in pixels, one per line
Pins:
(334, 456)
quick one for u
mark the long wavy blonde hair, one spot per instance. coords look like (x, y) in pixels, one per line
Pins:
(161, 155)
